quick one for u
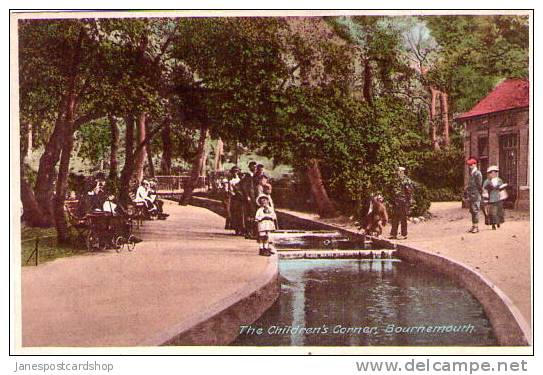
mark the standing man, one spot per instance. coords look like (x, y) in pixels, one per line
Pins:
(473, 193)
(248, 188)
(403, 192)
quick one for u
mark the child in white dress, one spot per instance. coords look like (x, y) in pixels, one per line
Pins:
(265, 219)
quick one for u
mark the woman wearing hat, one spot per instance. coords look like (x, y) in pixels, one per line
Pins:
(265, 219)
(234, 202)
(493, 185)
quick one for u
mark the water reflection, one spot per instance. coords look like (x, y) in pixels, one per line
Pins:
(327, 297)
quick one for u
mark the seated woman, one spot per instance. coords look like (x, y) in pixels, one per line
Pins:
(142, 197)
(153, 198)
(110, 205)
(92, 200)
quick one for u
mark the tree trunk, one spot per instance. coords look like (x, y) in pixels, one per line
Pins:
(325, 207)
(368, 78)
(28, 143)
(128, 168)
(166, 161)
(203, 165)
(445, 118)
(142, 153)
(199, 161)
(219, 152)
(114, 147)
(432, 118)
(150, 160)
(236, 153)
(149, 153)
(63, 235)
(43, 189)
(32, 213)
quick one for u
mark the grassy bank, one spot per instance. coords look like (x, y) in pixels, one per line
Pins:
(48, 249)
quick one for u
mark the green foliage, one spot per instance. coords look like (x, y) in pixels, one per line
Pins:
(422, 200)
(293, 88)
(441, 169)
(475, 52)
(446, 194)
(94, 140)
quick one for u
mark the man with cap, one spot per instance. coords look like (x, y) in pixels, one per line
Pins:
(403, 192)
(473, 193)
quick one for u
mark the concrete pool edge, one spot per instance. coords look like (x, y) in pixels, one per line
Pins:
(510, 326)
(219, 323)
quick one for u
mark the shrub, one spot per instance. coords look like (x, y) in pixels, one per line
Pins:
(422, 201)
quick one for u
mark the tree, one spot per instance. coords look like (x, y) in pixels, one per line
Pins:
(65, 52)
(232, 79)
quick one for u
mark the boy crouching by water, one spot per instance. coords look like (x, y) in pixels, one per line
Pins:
(265, 219)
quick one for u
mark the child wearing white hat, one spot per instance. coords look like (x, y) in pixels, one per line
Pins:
(265, 218)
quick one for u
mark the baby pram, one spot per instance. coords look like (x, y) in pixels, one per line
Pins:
(109, 231)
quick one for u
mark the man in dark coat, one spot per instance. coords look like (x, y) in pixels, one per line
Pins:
(403, 191)
(248, 188)
(473, 193)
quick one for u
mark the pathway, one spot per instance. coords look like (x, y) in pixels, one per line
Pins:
(185, 265)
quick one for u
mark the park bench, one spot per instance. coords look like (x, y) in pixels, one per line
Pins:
(75, 221)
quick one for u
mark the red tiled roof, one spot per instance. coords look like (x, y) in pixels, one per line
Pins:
(510, 94)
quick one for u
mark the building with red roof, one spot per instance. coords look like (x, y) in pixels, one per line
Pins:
(497, 133)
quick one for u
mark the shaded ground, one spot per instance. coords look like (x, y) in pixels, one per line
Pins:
(186, 264)
(503, 255)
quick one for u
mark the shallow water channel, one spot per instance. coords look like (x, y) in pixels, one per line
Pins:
(351, 302)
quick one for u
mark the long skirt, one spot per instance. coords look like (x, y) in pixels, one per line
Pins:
(249, 211)
(226, 203)
(495, 213)
(236, 215)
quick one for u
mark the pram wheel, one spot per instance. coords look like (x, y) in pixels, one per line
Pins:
(93, 242)
(131, 243)
(119, 243)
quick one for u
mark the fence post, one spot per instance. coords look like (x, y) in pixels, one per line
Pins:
(37, 249)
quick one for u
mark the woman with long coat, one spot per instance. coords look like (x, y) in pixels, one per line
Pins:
(494, 188)
(235, 218)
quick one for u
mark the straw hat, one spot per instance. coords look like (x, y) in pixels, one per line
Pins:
(492, 168)
(261, 196)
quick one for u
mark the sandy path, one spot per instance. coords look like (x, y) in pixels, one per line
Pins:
(185, 264)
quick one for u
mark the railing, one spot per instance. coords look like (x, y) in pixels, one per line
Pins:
(36, 252)
(177, 183)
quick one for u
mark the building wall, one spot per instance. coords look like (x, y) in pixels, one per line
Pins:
(493, 126)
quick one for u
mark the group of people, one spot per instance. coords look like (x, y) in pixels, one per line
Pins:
(250, 211)
(249, 206)
(99, 198)
(486, 196)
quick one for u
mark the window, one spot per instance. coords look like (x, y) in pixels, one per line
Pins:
(508, 158)
(482, 153)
